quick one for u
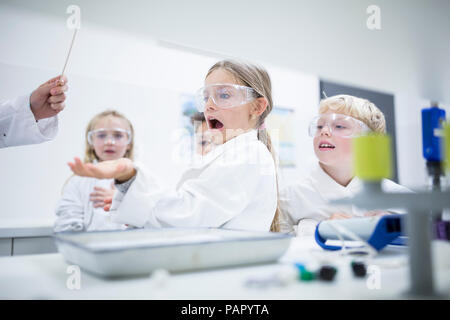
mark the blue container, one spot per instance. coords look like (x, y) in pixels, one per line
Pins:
(432, 120)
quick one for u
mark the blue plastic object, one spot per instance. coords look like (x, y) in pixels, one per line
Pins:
(432, 119)
(388, 230)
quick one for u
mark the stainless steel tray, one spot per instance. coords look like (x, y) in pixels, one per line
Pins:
(140, 251)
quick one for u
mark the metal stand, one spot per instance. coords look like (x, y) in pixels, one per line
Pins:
(418, 229)
(419, 206)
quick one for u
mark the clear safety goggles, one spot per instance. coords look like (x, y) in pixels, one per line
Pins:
(224, 95)
(115, 136)
(339, 125)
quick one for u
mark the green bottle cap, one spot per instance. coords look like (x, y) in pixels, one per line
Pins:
(372, 157)
(306, 275)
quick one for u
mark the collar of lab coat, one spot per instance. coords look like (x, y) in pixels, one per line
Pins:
(330, 189)
(242, 139)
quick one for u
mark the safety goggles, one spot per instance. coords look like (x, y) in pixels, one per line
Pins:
(339, 125)
(115, 136)
(224, 95)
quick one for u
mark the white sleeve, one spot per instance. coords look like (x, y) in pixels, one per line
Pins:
(303, 206)
(300, 220)
(140, 197)
(70, 208)
(306, 227)
(390, 186)
(19, 127)
(207, 201)
(287, 222)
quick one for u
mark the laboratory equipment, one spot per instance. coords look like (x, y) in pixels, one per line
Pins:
(70, 50)
(326, 273)
(378, 232)
(372, 163)
(359, 269)
(141, 251)
(433, 119)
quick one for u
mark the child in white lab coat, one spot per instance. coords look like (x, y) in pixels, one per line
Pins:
(305, 203)
(234, 186)
(202, 138)
(109, 136)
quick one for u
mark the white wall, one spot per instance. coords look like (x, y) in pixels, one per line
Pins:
(108, 69)
(329, 38)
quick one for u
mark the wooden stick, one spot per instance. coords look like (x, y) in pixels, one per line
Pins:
(70, 50)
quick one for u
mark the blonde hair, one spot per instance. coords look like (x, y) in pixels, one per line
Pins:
(355, 107)
(258, 79)
(90, 155)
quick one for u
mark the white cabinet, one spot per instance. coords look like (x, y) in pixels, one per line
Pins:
(33, 245)
(5, 247)
(26, 237)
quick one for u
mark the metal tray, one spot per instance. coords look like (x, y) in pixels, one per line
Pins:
(140, 251)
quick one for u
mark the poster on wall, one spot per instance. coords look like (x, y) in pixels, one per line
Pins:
(188, 108)
(184, 140)
(280, 124)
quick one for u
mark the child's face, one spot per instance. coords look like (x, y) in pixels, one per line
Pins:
(332, 150)
(111, 144)
(232, 121)
(203, 139)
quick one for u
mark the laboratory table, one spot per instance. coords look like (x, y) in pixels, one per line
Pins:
(49, 276)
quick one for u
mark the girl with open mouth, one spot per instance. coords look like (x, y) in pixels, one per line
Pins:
(234, 187)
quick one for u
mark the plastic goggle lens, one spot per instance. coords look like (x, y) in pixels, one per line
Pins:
(342, 126)
(224, 96)
(115, 136)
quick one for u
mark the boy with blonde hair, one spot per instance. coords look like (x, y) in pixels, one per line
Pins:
(305, 203)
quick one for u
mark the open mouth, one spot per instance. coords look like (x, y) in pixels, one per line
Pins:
(326, 146)
(214, 123)
(109, 151)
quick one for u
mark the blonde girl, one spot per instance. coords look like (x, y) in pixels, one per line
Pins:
(109, 136)
(235, 186)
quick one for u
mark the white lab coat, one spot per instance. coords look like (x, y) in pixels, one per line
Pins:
(75, 212)
(19, 127)
(305, 203)
(233, 187)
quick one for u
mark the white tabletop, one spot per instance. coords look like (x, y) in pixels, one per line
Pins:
(45, 276)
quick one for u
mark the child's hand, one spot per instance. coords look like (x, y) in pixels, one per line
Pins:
(107, 204)
(375, 213)
(121, 169)
(336, 216)
(101, 194)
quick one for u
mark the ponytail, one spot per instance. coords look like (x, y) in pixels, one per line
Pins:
(264, 137)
